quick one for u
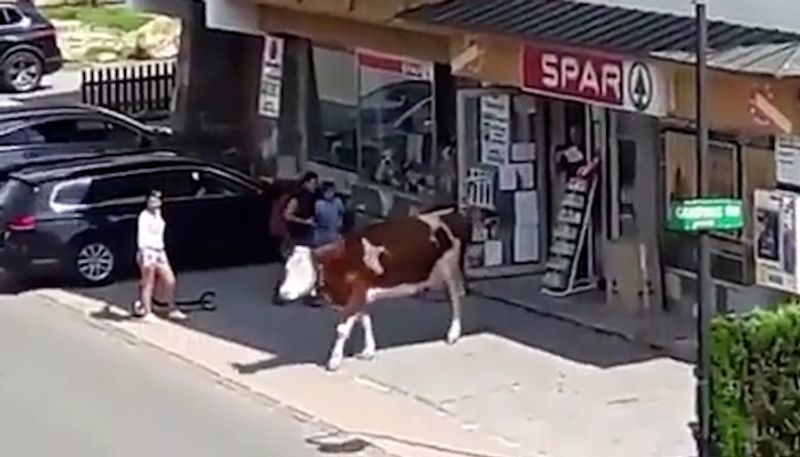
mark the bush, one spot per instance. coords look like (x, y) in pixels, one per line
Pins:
(111, 17)
(755, 383)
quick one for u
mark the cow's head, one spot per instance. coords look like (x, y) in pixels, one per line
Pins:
(302, 271)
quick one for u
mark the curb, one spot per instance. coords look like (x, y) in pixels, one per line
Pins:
(598, 327)
(327, 429)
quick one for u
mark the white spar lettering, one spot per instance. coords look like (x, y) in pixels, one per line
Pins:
(559, 72)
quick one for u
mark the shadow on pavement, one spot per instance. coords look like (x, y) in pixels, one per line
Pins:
(297, 334)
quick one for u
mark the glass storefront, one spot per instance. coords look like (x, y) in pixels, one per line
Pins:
(395, 123)
(377, 121)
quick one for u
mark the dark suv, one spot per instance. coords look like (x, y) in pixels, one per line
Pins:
(30, 134)
(79, 218)
(28, 47)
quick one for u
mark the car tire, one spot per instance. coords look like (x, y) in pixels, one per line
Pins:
(22, 71)
(94, 262)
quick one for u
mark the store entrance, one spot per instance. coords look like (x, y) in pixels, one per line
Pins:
(501, 181)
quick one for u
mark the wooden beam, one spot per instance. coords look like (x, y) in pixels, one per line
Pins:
(352, 33)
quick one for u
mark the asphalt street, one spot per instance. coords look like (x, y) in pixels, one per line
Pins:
(70, 389)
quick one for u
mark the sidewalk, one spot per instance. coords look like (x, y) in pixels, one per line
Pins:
(666, 333)
(517, 385)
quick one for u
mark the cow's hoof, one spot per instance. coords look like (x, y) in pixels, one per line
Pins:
(366, 355)
(453, 335)
(334, 365)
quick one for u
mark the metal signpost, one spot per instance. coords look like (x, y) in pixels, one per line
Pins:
(704, 287)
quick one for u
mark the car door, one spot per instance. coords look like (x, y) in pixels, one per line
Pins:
(183, 236)
(233, 213)
(109, 209)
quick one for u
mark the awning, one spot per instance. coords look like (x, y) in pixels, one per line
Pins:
(621, 30)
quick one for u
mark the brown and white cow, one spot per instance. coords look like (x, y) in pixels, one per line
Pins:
(398, 257)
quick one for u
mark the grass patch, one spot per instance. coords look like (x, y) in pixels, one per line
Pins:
(112, 17)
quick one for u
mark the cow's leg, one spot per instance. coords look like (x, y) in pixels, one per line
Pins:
(343, 330)
(368, 353)
(455, 291)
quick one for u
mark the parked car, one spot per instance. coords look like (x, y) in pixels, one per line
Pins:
(48, 133)
(28, 47)
(79, 218)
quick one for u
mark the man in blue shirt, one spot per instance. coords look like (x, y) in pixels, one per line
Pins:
(328, 216)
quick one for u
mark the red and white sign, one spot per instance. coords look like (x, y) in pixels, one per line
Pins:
(597, 78)
(412, 69)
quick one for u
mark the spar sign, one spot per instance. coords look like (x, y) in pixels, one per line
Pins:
(595, 78)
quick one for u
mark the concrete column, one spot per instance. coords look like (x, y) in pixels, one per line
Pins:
(217, 90)
(300, 124)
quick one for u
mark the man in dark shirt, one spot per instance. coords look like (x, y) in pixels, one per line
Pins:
(299, 211)
(299, 217)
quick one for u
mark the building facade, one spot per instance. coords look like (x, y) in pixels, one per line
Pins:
(406, 104)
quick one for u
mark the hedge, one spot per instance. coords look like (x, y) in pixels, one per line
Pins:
(755, 383)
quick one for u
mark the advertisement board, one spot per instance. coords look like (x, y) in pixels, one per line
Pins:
(776, 237)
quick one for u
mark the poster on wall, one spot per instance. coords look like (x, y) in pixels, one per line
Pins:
(269, 100)
(776, 237)
(787, 160)
(495, 129)
(480, 189)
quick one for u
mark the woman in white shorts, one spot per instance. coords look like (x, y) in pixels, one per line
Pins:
(156, 272)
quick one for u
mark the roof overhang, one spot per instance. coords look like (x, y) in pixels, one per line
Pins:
(733, 47)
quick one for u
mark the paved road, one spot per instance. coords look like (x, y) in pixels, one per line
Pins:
(69, 389)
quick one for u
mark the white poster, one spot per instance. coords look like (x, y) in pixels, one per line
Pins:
(493, 253)
(495, 129)
(523, 152)
(480, 189)
(515, 176)
(526, 243)
(269, 101)
(526, 226)
(787, 160)
(777, 221)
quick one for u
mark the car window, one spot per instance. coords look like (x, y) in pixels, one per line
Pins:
(95, 130)
(126, 187)
(9, 16)
(211, 184)
(72, 192)
(55, 131)
(21, 135)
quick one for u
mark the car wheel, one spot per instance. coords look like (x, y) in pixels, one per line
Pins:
(22, 71)
(94, 263)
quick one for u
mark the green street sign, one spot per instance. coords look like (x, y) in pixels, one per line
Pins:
(707, 214)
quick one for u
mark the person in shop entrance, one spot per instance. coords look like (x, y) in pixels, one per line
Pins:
(299, 215)
(571, 160)
(571, 163)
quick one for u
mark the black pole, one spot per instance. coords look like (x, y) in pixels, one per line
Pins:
(704, 291)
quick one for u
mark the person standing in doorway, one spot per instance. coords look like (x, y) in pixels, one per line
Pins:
(157, 277)
(299, 217)
(329, 216)
(569, 156)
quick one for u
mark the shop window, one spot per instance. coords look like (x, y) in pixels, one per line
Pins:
(395, 123)
(682, 181)
(337, 83)
(682, 177)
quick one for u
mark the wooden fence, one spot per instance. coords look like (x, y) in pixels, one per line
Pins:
(140, 90)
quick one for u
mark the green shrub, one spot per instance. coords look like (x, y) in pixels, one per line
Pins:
(113, 17)
(755, 383)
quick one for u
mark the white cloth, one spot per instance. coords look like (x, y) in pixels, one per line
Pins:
(150, 231)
